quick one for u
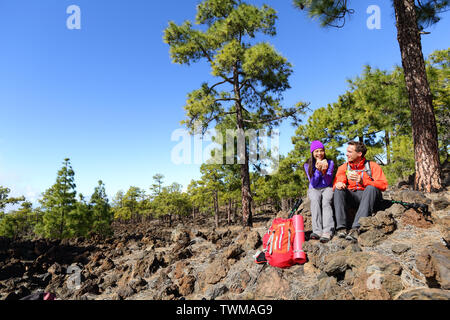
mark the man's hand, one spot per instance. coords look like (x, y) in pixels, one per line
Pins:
(354, 176)
(341, 186)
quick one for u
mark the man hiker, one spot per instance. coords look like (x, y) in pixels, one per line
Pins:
(359, 184)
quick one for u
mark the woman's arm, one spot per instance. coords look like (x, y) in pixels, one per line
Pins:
(328, 176)
(306, 167)
(316, 178)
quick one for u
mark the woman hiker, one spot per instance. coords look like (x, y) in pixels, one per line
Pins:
(319, 171)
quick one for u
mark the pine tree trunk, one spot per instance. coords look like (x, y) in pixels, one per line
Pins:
(388, 147)
(284, 204)
(246, 194)
(216, 209)
(234, 211)
(61, 226)
(245, 172)
(424, 130)
(229, 212)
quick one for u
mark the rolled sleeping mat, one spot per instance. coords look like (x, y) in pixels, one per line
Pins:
(299, 239)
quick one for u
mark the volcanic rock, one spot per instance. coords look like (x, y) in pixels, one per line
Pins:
(434, 263)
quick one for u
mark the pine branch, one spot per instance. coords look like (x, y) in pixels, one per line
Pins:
(211, 60)
(226, 99)
(289, 114)
(217, 84)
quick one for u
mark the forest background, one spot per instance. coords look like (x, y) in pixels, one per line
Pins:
(380, 116)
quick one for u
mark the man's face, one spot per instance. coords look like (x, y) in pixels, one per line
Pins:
(352, 155)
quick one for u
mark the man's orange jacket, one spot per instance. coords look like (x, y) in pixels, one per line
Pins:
(379, 181)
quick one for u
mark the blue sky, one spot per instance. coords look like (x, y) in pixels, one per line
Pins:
(108, 97)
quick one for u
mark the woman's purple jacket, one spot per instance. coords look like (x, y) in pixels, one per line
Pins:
(318, 180)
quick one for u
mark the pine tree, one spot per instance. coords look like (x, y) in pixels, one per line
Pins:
(57, 203)
(157, 184)
(198, 196)
(5, 199)
(251, 77)
(232, 190)
(101, 213)
(17, 223)
(212, 178)
(129, 204)
(438, 70)
(79, 219)
(172, 201)
(8, 225)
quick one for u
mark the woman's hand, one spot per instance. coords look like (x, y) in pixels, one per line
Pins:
(319, 165)
(322, 166)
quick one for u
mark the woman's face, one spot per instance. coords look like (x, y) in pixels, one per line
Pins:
(319, 154)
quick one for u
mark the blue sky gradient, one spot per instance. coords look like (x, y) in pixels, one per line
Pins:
(108, 96)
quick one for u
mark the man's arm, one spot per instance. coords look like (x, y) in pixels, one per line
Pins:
(340, 181)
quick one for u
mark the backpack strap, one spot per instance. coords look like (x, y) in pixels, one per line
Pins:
(367, 168)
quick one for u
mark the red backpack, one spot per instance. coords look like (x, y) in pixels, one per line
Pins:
(278, 243)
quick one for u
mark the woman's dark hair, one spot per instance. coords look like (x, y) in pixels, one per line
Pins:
(312, 164)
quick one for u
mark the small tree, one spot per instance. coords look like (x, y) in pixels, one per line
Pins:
(79, 219)
(212, 177)
(157, 184)
(172, 201)
(198, 196)
(57, 203)
(101, 213)
(17, 223)
(5, 199)
(129, 204)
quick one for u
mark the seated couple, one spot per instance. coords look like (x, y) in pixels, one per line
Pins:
(358, 184)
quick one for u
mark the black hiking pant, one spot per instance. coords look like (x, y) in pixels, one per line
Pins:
(363, 200)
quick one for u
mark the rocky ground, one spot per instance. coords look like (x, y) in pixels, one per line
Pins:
(400, 254)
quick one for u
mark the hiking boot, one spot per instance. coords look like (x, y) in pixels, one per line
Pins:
(325, 237)
(353, 235)
(314, 236)
(342, 233)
